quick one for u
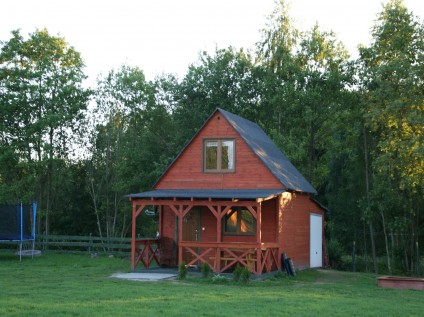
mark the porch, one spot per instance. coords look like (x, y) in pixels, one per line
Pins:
(258, 258)
(220, 252)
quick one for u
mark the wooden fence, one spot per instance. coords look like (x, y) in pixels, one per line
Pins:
(84, 244)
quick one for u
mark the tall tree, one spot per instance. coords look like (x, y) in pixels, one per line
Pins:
(226, 80)
(42, 106)
(275, 55)
(131, 143)
(393, 81)
(307, 77)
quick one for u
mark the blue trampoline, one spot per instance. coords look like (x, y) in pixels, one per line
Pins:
(17, 225)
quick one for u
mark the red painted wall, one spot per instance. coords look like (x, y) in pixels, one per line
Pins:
(269, 220)
(187, 170)
(208, 223)
(294, 230)
(168, 223)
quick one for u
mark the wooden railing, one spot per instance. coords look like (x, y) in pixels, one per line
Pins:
(84, 244)
(257, 257)
(147, 252)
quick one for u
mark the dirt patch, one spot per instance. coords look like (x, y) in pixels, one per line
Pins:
(329, 276)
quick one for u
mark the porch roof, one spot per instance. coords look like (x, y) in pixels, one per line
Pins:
(210, 193)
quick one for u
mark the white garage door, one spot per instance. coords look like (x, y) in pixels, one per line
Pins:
(316, 241)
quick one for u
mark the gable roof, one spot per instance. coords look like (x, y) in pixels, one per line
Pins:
(264, 148)
(269, 153)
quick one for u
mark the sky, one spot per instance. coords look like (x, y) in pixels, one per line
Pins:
(166, 36)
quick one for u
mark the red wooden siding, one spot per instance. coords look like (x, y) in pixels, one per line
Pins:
(187, 170)
(269, 220)
(208, 223)
(168, 223)
(294, 232)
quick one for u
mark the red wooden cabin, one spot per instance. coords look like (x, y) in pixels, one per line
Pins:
(231, 197)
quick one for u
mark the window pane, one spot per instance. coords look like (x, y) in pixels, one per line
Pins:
(247, 222)
(231, 221)
(211, 155)
(227, 155)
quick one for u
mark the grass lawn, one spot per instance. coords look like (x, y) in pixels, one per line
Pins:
(77, 285)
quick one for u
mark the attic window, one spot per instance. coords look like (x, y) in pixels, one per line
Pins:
(219, 156)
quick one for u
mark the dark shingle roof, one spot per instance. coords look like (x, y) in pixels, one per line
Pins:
(209, 193)
(269, 153)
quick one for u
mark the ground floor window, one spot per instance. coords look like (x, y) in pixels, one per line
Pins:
(239, 221)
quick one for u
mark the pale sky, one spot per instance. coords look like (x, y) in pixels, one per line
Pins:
(165, 36)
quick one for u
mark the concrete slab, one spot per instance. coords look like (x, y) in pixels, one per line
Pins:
(143, 276)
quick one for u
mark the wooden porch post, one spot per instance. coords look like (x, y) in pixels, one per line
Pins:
(218, 238)
(180, 233)
(259, 239)
(160, 220)
(219, 225)
(133, 236)
(279, 227)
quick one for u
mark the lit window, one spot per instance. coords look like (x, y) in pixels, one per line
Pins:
(239, 221)
(219, 156)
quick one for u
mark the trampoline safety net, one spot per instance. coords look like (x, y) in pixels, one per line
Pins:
(17, 222)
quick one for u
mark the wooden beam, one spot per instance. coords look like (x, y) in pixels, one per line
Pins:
(186, 210)
(252, 211)
(258, 224)
(213, 210)
(133, 235)
(224, 212)
(259, 239)
(139, 210)
(160, 220)
(187, 202)
(180, 234)
(218, 224)
(174, 209)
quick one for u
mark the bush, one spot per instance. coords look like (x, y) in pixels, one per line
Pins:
(182, 271)
(245, 275)
(363, 266)
(335, 253)
(219, 279)
(206, 270)
(237, 273)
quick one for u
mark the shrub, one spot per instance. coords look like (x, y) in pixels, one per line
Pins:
(335, 253)
(219, 279)
(206, 269)
(237, 273)
(245, 275)
(182, 271)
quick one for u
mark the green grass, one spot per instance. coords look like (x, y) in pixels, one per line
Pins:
(77, 285)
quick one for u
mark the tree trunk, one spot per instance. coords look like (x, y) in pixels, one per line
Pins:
(365, 248)
(367, 190)
(374, 257)
(386, 240)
